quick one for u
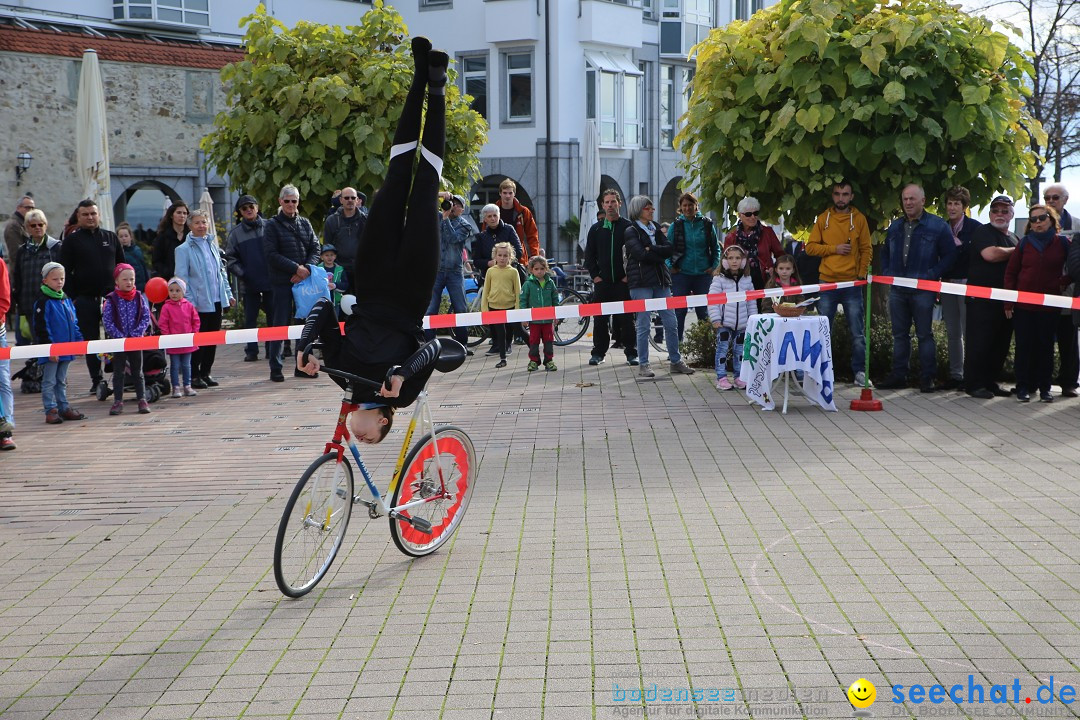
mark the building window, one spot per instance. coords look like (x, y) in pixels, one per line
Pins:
(613, 96)
(667, 106)
(474, 81)
(441, 4)
(745, 8)
(519, 86)
(193, 13)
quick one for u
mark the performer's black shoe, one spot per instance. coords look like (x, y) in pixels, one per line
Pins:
(421, 46)
(438, 61)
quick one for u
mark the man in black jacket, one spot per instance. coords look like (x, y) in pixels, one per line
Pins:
(345, 227)
(90, 255)
(245, 257)
(604, 261)
(290, 246)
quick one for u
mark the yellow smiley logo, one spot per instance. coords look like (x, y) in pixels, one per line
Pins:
(862, 693)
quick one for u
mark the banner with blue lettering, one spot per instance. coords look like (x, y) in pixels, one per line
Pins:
(775, 345)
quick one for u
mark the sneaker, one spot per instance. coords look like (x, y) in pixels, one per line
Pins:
(189, 391)
(176, 392)
(740, 384)
(7, 443)
(861, 381)
(251, 358)
(117, 408)
(6, 427)
(981, 394)
(723, 383)
(1000, 391)
(492, 350)
(1023, 395)
(533, 365)
(500, 364)
(681, 368)
(550, 366)
(277, 377)
(1068, 392)
(644, 371)
(144, 407)
(1046, 397)
(210, 382)
(53, 417)
(632, 362)
(596, 359)
(72, 414)
(198, 382)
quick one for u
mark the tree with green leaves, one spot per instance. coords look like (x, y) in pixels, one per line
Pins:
(316, 106)
(808, 92)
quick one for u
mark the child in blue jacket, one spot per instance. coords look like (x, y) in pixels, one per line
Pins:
(55, 322)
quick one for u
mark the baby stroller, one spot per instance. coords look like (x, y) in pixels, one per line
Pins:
(155, 375)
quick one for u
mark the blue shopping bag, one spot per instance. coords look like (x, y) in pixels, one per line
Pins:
(308, 291)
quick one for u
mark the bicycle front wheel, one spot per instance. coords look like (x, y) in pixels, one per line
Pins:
(313, 525)
(570, 330)
(421, 481)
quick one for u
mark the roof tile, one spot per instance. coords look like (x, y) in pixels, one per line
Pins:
(129, 50)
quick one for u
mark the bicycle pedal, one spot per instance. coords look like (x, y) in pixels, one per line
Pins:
(421, 524)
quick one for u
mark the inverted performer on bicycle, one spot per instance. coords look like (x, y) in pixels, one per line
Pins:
(395, 267)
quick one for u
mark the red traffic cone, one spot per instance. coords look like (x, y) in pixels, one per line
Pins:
(866, 401)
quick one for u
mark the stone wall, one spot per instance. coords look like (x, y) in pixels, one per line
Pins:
(156, 116)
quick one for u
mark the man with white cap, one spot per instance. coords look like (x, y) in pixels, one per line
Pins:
(988, 331)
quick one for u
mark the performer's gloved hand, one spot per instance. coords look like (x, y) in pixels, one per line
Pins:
(312, 365)
(395, 387)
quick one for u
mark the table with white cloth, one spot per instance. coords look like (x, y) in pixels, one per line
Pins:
(775, 347)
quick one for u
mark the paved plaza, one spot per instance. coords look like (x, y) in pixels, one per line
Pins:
(625, 539)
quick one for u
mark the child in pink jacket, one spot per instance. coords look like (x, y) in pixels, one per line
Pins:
(178, 316)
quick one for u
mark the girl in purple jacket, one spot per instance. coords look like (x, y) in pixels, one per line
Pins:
(126, 314)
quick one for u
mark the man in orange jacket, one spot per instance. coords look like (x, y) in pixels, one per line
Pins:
(841, 238)
(520, 218)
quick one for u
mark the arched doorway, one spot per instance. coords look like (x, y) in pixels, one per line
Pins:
(669, 201)
(487, 191)
(142, 206)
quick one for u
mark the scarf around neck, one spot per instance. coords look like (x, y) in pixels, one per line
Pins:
(1041, 240)
(50, 293)
(129, 296)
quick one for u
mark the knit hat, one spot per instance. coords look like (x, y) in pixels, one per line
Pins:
(121, 267)
(246, 200)
(179, 281)
(49, 267)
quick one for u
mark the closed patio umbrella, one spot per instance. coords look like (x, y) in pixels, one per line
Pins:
(91, 139)
(590, 180)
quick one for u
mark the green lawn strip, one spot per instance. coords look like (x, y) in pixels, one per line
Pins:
(476, 584)
(626, 573)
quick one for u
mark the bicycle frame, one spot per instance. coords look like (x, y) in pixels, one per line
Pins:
(342, 439)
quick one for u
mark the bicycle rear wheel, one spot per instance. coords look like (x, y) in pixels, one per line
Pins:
(570, 330)
(313, 525)
(420, 480)
(477, 333)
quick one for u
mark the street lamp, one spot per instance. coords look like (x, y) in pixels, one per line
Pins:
(22, 164)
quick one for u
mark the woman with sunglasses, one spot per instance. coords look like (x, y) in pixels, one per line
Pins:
(757, 239)
(38, 249)
(1038, 266)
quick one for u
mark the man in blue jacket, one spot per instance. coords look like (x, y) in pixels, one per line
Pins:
(919, 245)
(454, 230)
(245, 258)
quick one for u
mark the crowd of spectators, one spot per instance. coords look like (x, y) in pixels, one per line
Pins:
(626, 256)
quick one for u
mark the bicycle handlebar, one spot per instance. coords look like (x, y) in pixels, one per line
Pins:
(342, 374)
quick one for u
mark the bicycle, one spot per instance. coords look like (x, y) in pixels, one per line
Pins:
(429, 490)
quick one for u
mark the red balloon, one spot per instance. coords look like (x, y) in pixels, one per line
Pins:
(157, 290)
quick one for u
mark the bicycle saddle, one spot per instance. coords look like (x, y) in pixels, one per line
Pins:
(451, 355)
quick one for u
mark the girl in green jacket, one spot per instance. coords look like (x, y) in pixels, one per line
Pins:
(537, 292)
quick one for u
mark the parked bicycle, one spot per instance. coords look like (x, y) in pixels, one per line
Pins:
(429, 491)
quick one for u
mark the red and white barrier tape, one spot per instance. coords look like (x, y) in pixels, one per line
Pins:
(978, 291)
(434, 322)
(496, 317)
